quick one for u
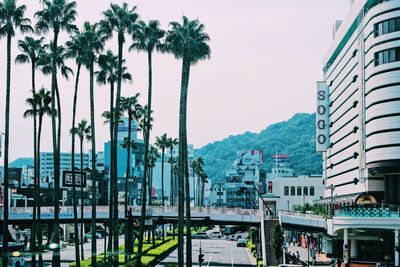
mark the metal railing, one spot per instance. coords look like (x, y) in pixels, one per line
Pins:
(369, 211)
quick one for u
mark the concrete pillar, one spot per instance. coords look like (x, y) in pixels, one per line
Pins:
(353, 248)
(263, 241)
(345, 244)
(396, 243)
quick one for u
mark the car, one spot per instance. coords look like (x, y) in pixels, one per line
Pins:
(290, 265)
(214, 234)
(89, 235)
(241, 242)
(240, 235)
(201, 235)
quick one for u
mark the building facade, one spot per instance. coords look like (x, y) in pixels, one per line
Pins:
(358, 130)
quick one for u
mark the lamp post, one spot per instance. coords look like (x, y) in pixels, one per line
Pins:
(287, 205)
(332, 188)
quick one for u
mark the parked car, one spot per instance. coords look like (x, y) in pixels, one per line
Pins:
(214, 234)
(240, 235)
(201, 235)
(89, 235)
(241, 242)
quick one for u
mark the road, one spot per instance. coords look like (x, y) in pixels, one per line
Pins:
(217, 253)
(68, 253)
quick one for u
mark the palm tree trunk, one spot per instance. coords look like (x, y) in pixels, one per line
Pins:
(6, 144)
(111, 206)
(115, 133)
(40, 231)
(146, 160)
(202, 193)
(56, 237)
(194, 187)
(182, 166)
(162, 176)
(35, 176)
(93, 172)
(198, 189)
(128, 172)
(150, 184)
(172, 188)
(82, 204)
(76, 238)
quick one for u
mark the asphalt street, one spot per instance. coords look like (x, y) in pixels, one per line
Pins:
(217, 253)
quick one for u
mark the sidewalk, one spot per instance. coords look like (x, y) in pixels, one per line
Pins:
(321, 259)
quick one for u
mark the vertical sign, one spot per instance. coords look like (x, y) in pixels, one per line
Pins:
(322, 123)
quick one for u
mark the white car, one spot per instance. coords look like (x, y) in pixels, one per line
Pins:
(240, 235)
(214, 234)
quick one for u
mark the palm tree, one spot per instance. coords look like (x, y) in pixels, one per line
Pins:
(186, 41)
(147, 38)
(198, 169)
(153, 155)
(108, 64)
(31, 48)
(57, 15)
(133, 108)
(194, 166)
(12, 19)
(122, 20)
(83, 132)
(74, 50)
(162, 144)
(39, 106)
(171, 143)
(93, 44)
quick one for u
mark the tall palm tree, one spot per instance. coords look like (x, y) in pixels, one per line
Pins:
(147, 38)
(57, 15)
(39, 105)
(162, 144)
(93, 44)
(83, 133)
(12, 19)
(108, 64)
(198, 170)
(187, 41)
(133, 108)
(122, 20)
(194, 167)
(30, 50)
(171, 143)
(152, 158)
(74, 50)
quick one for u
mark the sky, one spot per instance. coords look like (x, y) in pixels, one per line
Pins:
(266, 58)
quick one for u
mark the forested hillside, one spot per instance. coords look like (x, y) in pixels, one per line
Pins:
(295, 137)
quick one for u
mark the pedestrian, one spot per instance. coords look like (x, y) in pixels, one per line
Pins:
(339, 262)
(297, 256)
(333, 262)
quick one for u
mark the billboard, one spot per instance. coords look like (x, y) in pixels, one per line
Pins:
(322, 118)
(80, 178)
(280, 158)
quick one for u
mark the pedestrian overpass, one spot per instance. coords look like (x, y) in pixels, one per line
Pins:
(199, 215)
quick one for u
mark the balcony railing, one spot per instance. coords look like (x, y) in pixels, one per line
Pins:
(369, 211)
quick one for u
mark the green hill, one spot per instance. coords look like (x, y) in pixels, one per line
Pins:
(295, 137)
(20, 162)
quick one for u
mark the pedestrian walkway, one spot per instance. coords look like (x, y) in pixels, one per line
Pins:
(321, 259)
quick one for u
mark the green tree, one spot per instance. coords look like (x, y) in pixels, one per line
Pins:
(30, 50)
(75, 50)
(187, 41)
(57, 15)
(39, 105)
(131, 106)
(162, 144)
(147, 37)
(122, 20)
(94, 40)
(83, 133)
(171, 143)
(277, 241)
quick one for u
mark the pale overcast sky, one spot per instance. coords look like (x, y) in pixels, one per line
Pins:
(266, 58)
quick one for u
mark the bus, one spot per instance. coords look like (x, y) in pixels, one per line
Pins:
(17, 254)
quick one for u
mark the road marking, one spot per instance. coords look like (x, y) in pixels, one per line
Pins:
(232, 256)
(209, 260)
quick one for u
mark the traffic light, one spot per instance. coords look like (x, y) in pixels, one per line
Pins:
(201, 258)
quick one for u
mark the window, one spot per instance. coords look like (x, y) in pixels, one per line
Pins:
(387, 26)
(387, 56)
(292, 190)
(286, 191)
(299, 190)
(305, 190)
(312, 190)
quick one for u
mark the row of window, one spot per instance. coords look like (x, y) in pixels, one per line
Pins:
(387, 56)
(387, 26)
(299, 190)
